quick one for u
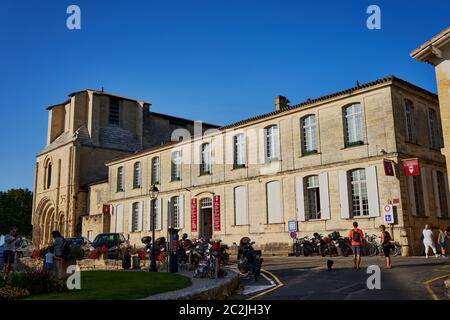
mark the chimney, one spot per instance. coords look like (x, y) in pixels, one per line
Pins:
(281, 103)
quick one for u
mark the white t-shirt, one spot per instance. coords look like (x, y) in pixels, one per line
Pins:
(49, 257)
(427, 235)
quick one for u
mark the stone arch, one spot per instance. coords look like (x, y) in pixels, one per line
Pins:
(45, 221)
(61, 223)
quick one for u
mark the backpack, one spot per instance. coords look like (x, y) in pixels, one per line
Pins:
(387, 237)
(65, 249)
(356, 237)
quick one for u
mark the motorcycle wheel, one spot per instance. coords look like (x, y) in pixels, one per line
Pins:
(306, 252)
(297, 250)
(323, 251)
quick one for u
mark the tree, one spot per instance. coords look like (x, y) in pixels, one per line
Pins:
(15, 210)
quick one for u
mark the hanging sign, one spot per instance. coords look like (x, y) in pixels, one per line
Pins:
(216, 209)
(388, 168)
(106, 209)
(194, 215)
(411, 167)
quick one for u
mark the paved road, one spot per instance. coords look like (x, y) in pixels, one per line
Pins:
(308, 278)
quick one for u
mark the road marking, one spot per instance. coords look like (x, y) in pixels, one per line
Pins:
(278, 285)
(428, 287)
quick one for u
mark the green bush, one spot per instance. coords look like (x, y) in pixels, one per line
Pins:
(13, 293)
(36, 282)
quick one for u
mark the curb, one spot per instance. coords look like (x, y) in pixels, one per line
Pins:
(218, 289)
(447, 287)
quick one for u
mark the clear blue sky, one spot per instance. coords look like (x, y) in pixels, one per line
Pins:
(213, 60)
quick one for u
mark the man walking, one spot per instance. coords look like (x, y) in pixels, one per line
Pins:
(9, 251)
(356, 237)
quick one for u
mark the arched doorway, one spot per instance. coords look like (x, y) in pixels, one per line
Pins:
(45, 222)
(206, 218)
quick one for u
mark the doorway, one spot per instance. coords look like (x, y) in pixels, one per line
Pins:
(206, 218)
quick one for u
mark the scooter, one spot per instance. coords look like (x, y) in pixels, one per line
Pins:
(249, 259)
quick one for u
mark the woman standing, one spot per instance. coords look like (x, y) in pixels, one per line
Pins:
(428, 241)
(441, 239)
(387, 246)
(58, 245)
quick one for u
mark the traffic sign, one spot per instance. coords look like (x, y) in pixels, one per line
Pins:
(293, 234)
(292, 226)
(388, 214)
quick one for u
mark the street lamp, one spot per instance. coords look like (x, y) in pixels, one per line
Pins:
(154, 191)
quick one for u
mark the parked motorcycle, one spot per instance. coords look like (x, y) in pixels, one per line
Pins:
(342, 245)
(305, 246)
(184, 249)
(224, 255)
(326, 246)
(249, 259)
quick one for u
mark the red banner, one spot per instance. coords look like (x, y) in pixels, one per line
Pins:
(216, 208)
(388, 168)
(194, 215)
(411, 167)
(106, 209)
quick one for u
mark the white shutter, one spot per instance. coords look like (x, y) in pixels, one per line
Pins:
(299, 198)
(159, 215)
(181, 211)
(149, 215)
(119, 218)
(273, 202)
(140, 216)
(412, 199)
(130, 218)
(343, 195)
(447, 192)
(240, 203)
(372, 191)
(437, 201)
(426, 202)
(324, 196)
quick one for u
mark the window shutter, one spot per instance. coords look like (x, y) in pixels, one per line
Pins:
(169, 214)
(437, 201)
(447, 192)
(140, 216)
(273, 202)
(426, 202)
(159, 215)
(130, 218)
(300, 200)
(240, 198)
(324, 196)
(181, 211)
(119, 218)
(372, 191)
(343, 195)
(412, 198)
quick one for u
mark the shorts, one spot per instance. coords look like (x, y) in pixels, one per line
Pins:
(357, 250)
(48, 266)
(8, 257)
(442, 244)
(387, 250)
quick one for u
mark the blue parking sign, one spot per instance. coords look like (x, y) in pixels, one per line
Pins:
(292, 226)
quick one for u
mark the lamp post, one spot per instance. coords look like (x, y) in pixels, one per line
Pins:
(153, 196)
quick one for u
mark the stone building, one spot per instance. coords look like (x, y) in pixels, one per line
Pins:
(84, 131)
(436, 52)
(319, 162)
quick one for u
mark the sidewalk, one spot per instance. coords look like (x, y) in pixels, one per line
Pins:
(203, 289)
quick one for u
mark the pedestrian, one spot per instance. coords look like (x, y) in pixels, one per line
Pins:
(386, 245)
(49, 258)
(356, 236)
(442, 239)
(428, 241)
(58, 245)
(9, 251)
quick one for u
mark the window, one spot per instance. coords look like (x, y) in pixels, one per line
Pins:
(176, 212)
(135, 217)
(309, 134)
(271, 143)
(48, 176)
(205, 159)
(114, 111)
(119, 179)
(273, 196)
(418, 194)
(154, 216)
(409, 121)
(155, 170)
(433, 129)
(312, 197)
(360, 200)
(90, 235)
(137, 175)
(442, 193)
(240, 206)
(176, 165)
(239, 150)
(353, 125)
